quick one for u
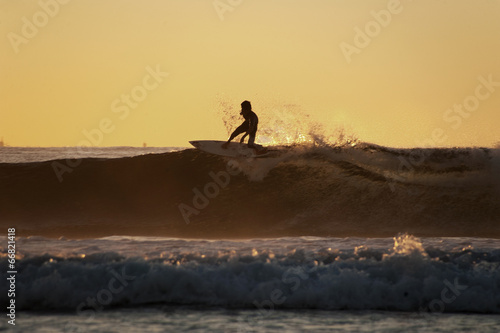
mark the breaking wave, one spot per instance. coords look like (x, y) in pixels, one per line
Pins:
(286, 273)
(304, 190)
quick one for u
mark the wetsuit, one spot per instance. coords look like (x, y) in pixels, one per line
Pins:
(249, 126)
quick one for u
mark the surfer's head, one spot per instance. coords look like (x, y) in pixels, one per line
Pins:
(246, 106)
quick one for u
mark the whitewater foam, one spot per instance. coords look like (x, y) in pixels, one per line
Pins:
(404, 273)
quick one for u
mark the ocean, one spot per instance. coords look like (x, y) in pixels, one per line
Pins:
(357, 238)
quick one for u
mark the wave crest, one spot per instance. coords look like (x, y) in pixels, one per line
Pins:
(365, 190)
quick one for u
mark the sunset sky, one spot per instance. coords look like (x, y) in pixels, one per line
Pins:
(123, 72)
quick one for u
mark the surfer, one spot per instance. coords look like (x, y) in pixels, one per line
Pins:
(249, 126)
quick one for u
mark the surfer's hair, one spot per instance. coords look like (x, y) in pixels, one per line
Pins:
(245, 105)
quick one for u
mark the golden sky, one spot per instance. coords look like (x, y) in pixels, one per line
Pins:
(122, 72)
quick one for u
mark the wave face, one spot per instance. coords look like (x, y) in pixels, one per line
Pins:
(401, 274)
(366, 190)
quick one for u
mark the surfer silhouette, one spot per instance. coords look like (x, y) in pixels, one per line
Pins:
(249, 126)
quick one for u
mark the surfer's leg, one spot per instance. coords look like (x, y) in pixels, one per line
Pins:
(251, 140)
(243, 137)
(240, 129)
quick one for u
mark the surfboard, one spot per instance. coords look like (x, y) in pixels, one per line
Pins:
(234, 149)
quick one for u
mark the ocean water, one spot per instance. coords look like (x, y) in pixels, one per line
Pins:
(324, 239)
(222, 320)
(292, 284)
(36, 154)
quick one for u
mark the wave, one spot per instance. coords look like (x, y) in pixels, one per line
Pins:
(406, 277)
(365, 190)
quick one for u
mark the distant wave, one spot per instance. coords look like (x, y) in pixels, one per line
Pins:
(366, 190)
